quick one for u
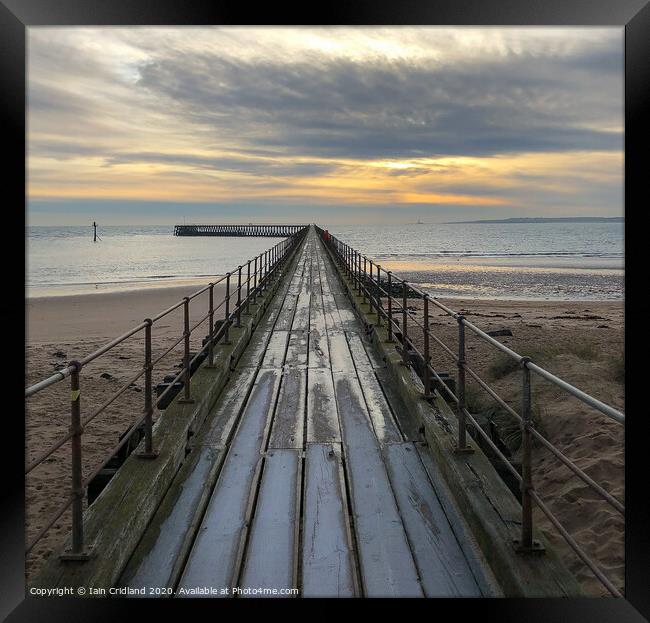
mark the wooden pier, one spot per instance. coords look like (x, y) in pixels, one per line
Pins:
(308, 464)
(269, 231)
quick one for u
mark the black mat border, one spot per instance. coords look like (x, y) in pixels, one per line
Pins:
(15, 15)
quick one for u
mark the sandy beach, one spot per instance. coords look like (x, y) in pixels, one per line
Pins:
(580, 341)
(63, 328)
(583, 343)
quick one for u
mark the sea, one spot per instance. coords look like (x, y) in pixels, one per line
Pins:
(548, 261)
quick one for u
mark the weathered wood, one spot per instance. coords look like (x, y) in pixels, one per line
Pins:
(285, 317)
(297, 350)
(349, 320)
(271, 560)
(322, 416)
(319, 352)
(327, 556)
(444, 571)
(214, 558)
(168, 538)
(364, 353)
(487, 505)
(378, 409)
(340, 356)
(403, 419)
(276, 350)
(301, 317)
(289, 418)
(254, 354)
(386, 562)
(158, 553)
(478, 564)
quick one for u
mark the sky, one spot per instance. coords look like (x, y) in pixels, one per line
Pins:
(338, 125)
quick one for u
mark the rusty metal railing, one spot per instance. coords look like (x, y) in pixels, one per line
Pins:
(366, 280)
(266, 267)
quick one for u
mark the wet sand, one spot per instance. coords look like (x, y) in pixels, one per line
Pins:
(580, 341)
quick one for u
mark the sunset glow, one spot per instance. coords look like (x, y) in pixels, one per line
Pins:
(398, 124)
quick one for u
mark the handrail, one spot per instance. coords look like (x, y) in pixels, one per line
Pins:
(242, 295)
(362, 279)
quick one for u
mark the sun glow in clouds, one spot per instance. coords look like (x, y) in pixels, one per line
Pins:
(442, 123)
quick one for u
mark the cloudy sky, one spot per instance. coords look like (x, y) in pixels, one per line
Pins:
(150, 125)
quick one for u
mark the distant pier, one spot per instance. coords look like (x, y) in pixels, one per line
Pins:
(270, 231)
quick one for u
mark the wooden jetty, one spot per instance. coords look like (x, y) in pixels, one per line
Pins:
(270, 231)
(308, 464)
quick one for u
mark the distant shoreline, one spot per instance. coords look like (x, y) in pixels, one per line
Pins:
(560, 219)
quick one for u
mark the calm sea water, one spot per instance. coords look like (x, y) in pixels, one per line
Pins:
(537, 260)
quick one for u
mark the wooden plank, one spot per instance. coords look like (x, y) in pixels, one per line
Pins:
(327, 557)
(214, 558)
(331, 313)
(364, 354)
(317, 288)
(296, 282)
(444, 571)
(219, 426)
(301, 317)
(271, 559)
(386, 562)
(405, 422)
(384, 424)
(297, 350)
(165, 543)
(382, 419)
(467, 541)
(349, 320)
(285, 317)
(154, 561)
(340, 357)
(256, 348)
(289, 418)
(322, 416)
(275, 350)
(316, 314)
(319, 352)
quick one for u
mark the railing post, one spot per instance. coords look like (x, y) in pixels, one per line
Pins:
(365, 259)
(526, 544)
(248, 287)
(148, 452)
(371, 298)
(462, 424)
(427, 353)
(264, 271)
(239, 296)
(390, 308)
(405, 359)
(255, 280)
(356, 271)
(77, 552)
(226, 336)
(187, 398)
(210, 363)
(378, 295)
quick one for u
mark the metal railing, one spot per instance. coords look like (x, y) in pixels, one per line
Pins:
(245, 290)
(366, 279)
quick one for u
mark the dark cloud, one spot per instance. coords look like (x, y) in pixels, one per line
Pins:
(343, 108)
(233, 164)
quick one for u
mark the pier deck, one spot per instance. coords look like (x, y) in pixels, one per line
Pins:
(303, 475)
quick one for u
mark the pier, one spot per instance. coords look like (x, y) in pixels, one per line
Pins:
(269, 231)
(312, 450)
